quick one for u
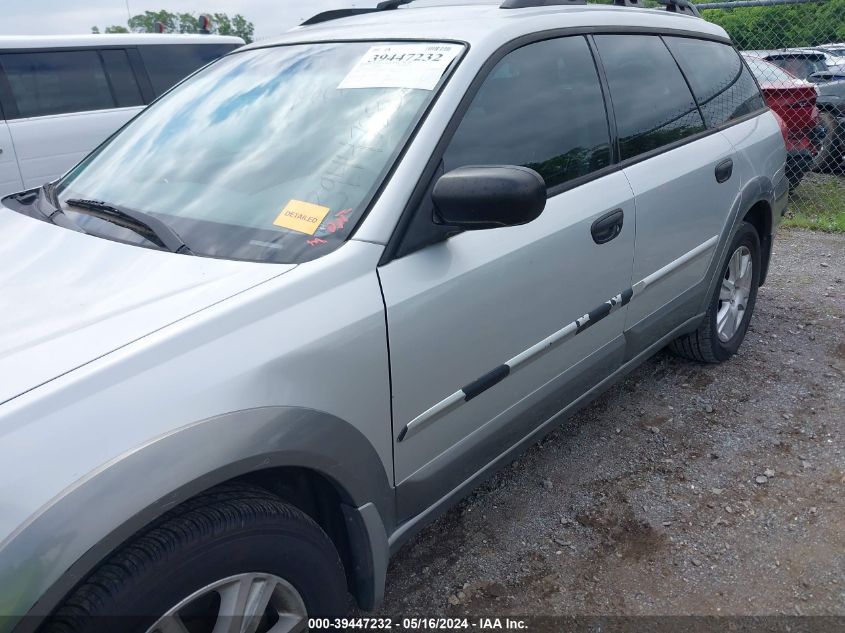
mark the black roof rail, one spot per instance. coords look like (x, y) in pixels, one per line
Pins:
(336, 14)
(676, 6)
(681, 6)
(524, 4)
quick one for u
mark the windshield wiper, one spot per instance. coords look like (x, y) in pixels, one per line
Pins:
(56, 216)
(144, 224)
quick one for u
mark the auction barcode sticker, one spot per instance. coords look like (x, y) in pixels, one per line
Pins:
(417, 66)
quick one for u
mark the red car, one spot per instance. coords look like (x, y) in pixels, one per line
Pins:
(793, 100)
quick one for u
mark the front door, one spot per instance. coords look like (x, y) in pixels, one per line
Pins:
(486, 329)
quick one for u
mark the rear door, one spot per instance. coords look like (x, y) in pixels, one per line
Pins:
(731, 101)
(467, 317)
(64, 103)
(682, 178)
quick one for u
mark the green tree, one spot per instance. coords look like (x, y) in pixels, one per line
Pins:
(187, 23)
(145, 22)
(110, 29)
(238, 26)
(221, 23)
(782, 26)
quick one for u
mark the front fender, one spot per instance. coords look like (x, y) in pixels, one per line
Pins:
(57, 547)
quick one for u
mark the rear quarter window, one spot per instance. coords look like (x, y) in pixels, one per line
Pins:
(168, 64)
(720, 82)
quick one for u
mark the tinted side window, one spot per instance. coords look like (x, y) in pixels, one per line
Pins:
(121, 78)
(168, 64)
(541, 107)
(720, 81)
(651, 99)
(56, 82)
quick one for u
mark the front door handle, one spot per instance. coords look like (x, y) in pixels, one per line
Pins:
(724, 170)
(607, 226)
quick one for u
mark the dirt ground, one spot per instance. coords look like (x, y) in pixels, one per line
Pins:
(686, 489)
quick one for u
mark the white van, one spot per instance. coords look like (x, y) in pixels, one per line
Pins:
(61, 96)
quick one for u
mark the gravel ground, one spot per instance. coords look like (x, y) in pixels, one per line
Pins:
(686, 489)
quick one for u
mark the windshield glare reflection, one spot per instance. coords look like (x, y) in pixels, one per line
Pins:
(258, 135)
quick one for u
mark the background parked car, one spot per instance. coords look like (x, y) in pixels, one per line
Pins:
(798, 62)
(830, 100)
(837, 49)
(794, 101)
(61, 96)
(832, 59)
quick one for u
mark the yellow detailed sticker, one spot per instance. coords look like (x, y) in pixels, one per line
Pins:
(304, 217)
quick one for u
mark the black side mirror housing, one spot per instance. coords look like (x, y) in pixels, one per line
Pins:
(489, 196)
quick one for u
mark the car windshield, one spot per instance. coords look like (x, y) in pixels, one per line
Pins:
(802, 66)
(766, 72)
(268, 155)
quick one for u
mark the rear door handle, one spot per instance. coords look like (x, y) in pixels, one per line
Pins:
(724, 170)
(607, 226)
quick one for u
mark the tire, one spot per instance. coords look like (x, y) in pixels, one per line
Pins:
(706, 344)
(226, 533)
(829, 156)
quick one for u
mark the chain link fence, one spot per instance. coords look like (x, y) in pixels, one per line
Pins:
(796, 49)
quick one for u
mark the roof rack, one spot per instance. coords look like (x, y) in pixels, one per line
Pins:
(336, 14)
(675, 6)
(681, 6)
(524, 4)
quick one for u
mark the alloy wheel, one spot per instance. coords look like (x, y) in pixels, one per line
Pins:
(245, 603)
(734, 294)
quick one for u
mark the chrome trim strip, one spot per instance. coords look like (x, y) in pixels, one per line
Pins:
(674, 265)
(430, 414)
(563, 334)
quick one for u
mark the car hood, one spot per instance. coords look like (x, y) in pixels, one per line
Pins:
(67, 298)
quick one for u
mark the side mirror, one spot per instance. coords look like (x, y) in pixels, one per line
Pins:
(489, 196)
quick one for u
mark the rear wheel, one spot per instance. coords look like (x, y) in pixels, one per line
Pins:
(731, 305)
(234, 559)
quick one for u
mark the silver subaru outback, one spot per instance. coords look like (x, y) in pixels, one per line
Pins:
(313, 295)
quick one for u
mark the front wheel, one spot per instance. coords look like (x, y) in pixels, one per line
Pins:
(731, 305)
(236, 559)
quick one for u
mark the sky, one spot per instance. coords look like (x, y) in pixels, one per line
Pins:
(47, 17)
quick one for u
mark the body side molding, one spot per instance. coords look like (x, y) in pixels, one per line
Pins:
(422, 518)
(498, 374)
